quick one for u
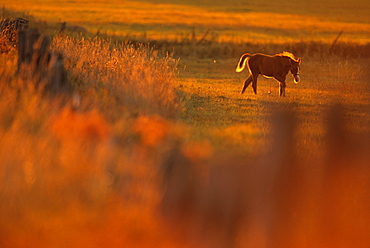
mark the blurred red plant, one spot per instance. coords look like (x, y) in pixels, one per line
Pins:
(90, 126)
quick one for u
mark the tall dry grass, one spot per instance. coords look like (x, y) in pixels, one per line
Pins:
(212, 48)
(69, 172)
(134, 76)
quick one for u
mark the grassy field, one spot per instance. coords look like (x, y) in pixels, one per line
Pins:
(236, 21)
(166, 152)
(215, 105)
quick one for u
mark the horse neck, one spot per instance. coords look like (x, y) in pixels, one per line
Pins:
(291, 64)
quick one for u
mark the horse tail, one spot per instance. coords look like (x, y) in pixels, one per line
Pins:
(242, 61)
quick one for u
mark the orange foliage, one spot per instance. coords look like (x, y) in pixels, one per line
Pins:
(196, 151)
(152, 130)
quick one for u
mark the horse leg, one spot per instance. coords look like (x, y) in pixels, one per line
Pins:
(254, 84)
(246, 83)
(282, 85)
(282, 89)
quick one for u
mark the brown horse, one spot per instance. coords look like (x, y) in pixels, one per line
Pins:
(276, 67)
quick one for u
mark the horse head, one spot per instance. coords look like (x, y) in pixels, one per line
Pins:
(295, 69)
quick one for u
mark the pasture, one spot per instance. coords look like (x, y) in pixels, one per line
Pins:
(218, 110)
(236, 21)
(161, 150)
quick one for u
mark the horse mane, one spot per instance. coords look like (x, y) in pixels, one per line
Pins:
(287, 54)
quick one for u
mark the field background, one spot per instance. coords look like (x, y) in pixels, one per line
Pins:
(257, 21)
(83, 178)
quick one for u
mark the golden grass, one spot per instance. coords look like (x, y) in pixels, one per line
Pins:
(215, 106)
(173, 21)
(72, 178)
(135, 77)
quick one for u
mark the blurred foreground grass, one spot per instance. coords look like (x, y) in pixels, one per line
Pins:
(65, 172)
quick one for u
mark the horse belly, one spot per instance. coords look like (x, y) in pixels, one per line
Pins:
(266, 71)
(267, 76)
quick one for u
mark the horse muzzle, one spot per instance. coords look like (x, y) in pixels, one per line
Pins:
(296, 78)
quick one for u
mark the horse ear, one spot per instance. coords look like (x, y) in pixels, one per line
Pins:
(299, 60)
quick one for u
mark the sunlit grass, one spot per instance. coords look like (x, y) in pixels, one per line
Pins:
(157, 21)
(214, 103)
(135, 77)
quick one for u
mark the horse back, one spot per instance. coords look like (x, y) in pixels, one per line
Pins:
(256, 60)
(274, 65)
